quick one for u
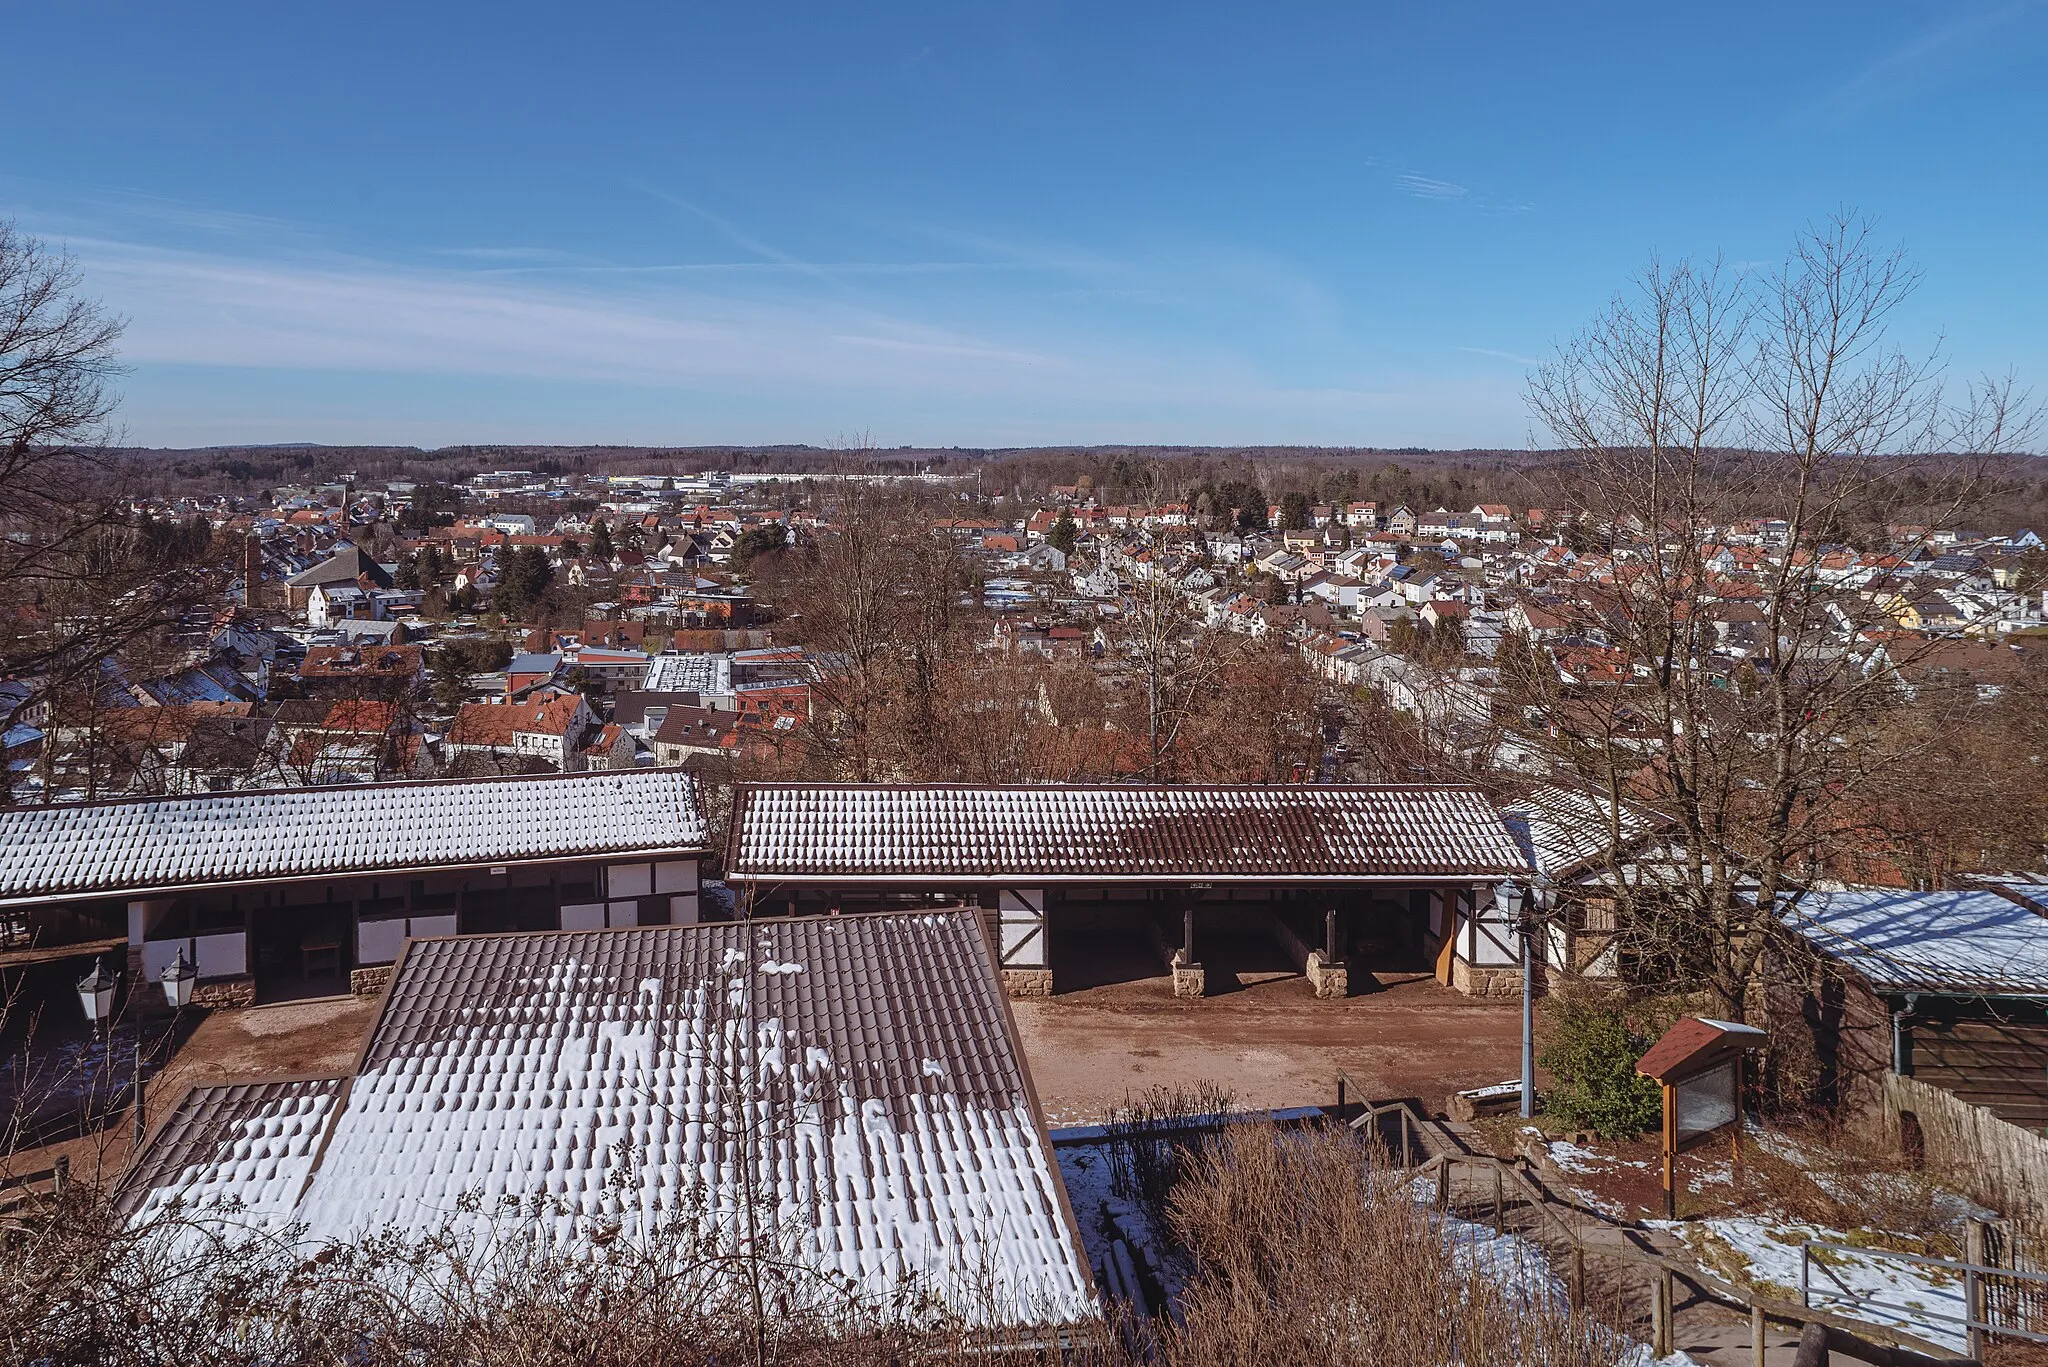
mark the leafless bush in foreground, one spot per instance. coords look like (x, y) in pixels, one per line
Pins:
(1304, 1247)
(1307, 1248)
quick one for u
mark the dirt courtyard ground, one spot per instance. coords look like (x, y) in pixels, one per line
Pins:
(1268, 1044)
(1266, 1041)
(317, 1035)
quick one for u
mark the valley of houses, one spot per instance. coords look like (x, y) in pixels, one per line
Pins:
(244, 815)
(315, 669)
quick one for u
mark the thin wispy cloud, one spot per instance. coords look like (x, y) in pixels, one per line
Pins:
(1948, 50)
(209, 309)
(1498, 355)
(535, 255)
(1429, 187)
(1065, 342)
(806, 268)
(734, 234)
(1475, 199)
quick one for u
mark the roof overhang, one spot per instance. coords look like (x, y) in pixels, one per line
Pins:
(1027, 878)
(129, 894)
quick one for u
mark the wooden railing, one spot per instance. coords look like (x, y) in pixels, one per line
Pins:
(1513, 1185)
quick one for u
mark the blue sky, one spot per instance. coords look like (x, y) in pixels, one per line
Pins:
(964, 224)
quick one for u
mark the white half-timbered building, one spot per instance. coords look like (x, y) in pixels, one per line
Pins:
(1087, 884)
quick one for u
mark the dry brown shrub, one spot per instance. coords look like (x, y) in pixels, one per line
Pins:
(1308, 1248)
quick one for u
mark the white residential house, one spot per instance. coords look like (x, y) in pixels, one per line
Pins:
(1094, 581)
(1285, 566)
(1342, 593)
(1225, 548)
(1494, 522)
(549, 727)
(331, 603)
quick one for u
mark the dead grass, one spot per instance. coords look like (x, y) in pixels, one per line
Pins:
(1837, 1179)
(1307, 1247)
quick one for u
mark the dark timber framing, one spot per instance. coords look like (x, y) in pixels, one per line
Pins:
(1331, 878)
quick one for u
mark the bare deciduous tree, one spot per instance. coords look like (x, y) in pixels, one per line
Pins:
(1175, 659)
(82, 582)
(1702, 398)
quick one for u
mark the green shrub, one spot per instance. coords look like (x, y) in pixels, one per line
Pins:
(1592, 1057)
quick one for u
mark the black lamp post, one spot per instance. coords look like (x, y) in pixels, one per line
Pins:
(177, 978)
(96, 994)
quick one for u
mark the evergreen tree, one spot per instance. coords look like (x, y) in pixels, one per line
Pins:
(601, 547)
(1065, 531)
(522, 582)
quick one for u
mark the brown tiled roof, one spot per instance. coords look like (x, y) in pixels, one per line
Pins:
(212, 1122)
(346, 661)
(485, 723)
(872, 1058)
(700, 726)
(1097, 833)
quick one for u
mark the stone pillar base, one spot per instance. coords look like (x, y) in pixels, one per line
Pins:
(1189, 980)
(1028, 982)
(1475, 981)
(368, 982)
(239, 990)
(1331, 980)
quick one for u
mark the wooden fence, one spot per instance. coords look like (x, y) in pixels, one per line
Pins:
(1995, 1161)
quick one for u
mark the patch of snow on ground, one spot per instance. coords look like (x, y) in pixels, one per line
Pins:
(1107, 1219)
(1580, 1159)
(1847, 1283)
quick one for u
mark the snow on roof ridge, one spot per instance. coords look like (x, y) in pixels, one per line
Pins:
(278, 833)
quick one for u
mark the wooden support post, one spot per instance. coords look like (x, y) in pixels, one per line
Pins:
(1670, 1152)
(60, 1180)
(1974, 1249)
(1813, 1347)
(1756, 1337)
(1330, 935)
(1443, 1184)
(1660, 1314)
(1187, 933)
(1407, 1152)
(1499, 1208)
(1578, 1276)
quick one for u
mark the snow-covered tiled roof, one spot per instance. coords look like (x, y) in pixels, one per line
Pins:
(1095, 833)
(151, 843)
(606, 1076)
(689, 673)
(1563, 830)
(246, 1142)
(1903, 941)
